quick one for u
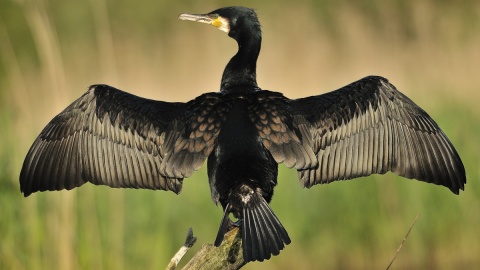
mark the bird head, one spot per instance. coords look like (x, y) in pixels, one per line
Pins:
(236, 21)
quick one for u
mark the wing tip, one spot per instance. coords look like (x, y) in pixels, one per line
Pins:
(95, 86)
(459, 187)
(25, 193)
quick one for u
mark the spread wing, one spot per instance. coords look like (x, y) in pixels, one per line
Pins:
(370, 127)
(109, 137)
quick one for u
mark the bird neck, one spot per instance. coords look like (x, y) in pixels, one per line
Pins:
(240, 74)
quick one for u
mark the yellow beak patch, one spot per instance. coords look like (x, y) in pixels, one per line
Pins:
(222, 24)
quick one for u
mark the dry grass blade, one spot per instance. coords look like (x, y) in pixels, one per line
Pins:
(189, 242)
(403, 241)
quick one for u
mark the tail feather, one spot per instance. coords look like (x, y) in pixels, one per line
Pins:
(275, 231)
(275, 224)
(249, 235)
(262, 232)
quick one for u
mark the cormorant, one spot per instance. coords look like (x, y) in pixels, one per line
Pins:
(109, 137)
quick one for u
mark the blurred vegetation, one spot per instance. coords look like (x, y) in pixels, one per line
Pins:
(51, 50)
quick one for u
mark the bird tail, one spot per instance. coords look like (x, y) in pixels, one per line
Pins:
(262, 233)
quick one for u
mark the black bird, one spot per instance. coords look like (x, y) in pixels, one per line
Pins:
(109, 137)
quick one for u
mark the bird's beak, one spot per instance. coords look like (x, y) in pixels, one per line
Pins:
(203, 18)
(212, 19)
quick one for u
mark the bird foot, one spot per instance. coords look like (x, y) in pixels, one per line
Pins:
(232, 225)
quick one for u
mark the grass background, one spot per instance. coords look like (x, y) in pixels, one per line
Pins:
(52, 50)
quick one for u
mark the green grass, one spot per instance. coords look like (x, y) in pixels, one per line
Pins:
(50, 53)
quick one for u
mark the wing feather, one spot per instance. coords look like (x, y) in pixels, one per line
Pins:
(109, 137)
(280, 134)
(370, 127)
